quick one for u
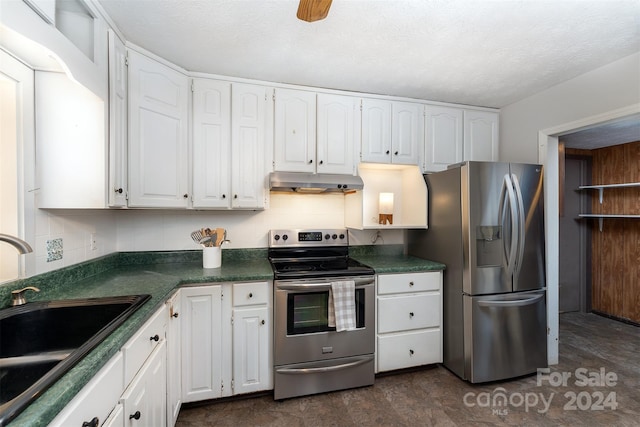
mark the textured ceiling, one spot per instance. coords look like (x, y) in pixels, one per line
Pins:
(477, 52)
(620, 131)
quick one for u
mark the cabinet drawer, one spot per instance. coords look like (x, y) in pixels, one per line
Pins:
(140, 346)
(409, 282)
(97, 398)
(397, 351)
(401, 313)
(250, 293)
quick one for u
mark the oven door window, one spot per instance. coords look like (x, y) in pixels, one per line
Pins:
(307, 312)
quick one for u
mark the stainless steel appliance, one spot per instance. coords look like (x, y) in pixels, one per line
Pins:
(487, 225)
(309, 355)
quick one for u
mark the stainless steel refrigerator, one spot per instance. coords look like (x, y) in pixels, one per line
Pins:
(486, 224)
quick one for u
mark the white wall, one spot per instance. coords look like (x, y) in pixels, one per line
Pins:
(604, 89)
(528, 124)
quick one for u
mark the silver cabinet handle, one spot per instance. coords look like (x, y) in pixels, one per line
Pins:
(511, 303)
(301, 371)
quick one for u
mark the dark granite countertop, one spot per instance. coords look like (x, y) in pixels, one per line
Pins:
(159, 274)
(391, 259)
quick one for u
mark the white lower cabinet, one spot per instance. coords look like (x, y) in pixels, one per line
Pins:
(174, 359)
(146, 397)
(226, 340)
(252, 361)
(205, 351)
(409, 320)
(135, 379)
(96, 399)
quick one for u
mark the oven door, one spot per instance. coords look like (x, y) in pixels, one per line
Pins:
(301, 332)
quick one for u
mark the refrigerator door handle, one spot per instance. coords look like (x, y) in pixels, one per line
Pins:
(521, 225)
(507, 189)
(511, 303)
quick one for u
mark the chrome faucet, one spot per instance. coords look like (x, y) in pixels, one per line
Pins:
(17, 297)
(22, 246)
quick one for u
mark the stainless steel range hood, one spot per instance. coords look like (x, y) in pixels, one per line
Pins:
(303, 182)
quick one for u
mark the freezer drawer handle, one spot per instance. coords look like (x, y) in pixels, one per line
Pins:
(512, 303)
(299, 371)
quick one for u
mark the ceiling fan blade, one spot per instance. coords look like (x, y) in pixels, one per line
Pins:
(313, 10)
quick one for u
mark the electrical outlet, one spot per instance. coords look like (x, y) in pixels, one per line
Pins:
(92, 242)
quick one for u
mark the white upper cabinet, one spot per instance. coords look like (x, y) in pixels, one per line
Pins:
(45, 8)
(251, 108)
(158, 132)
(315, 133)
(117, 189)
(211, 143)
(338, 128)
(376, 131)
(391, 131)
(481, 135)
(443, 141)
(230, 131)
(295, 131)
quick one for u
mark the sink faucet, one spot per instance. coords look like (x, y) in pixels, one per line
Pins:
(22, 246)
(18, 295)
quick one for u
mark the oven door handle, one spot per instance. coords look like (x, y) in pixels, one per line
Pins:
(301, 371)
(319, 286)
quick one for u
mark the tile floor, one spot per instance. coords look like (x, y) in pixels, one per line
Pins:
(435, 397)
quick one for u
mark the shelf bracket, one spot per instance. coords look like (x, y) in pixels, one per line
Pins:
(600, 220)
(600, 191)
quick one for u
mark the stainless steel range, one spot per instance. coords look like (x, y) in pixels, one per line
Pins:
(310, 356)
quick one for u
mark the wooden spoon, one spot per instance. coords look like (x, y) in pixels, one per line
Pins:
(220, 236)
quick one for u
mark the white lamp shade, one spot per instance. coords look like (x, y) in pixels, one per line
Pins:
(385, 203)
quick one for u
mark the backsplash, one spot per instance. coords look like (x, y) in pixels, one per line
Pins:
(162, 230)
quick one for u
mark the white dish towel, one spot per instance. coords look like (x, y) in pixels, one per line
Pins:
(342, 305)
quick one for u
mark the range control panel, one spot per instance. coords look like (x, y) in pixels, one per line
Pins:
(306, 237)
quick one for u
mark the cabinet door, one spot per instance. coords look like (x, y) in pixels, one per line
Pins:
(295, 130)
(248, 143)
(145, 399)
(202, 353)
(443, 142)
(45, 8)
(157, 134)
(252, 369)
(174, 360)
(337, 129)
(117, 190)
(376, 131)
(211, 143)
(407, 132)
(480, 136)
(97, 398)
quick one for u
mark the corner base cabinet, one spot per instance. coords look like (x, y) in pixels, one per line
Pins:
(409, 320)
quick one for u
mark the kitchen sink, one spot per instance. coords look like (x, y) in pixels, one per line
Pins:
(41, 341)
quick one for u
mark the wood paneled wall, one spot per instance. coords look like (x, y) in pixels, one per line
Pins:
(616, 250)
